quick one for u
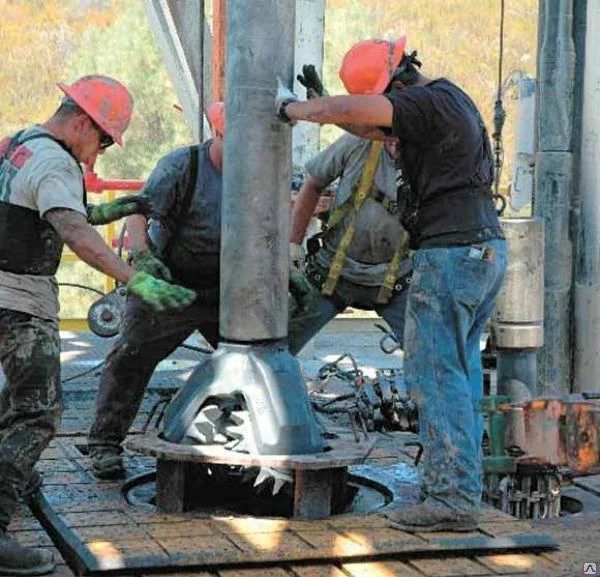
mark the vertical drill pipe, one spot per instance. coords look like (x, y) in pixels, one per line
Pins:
(587, 274)
(518, 317)
(256, 177)
(516, 371)
(554, 184)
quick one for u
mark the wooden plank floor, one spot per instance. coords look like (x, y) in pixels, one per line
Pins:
(99, 533)
(97, 513)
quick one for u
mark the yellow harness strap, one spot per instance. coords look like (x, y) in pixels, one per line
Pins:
(391, 274)
(358, 199)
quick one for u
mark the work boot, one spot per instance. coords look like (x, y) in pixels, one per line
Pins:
(107, 463)
(432, 515)
(17, 560)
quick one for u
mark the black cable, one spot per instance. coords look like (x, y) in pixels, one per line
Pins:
(79, 375)
(499, 118)
(130, 498)
(338, 399)
(121, 242)
(331, 369)
(82, 286)
(501, 50)
(197, 349)
(328, 410)
(99, 292)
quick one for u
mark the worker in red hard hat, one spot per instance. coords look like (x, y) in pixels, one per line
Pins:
(369, 66)
(446, 205)
(180, 241)
(106, 101)
(360, 257)
(43, 207)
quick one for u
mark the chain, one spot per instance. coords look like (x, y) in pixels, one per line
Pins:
(499, 118)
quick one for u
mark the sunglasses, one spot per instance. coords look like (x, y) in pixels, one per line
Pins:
(105, 139)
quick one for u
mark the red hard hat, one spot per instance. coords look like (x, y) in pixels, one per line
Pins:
(368, 66)
(216, 117)
(105, 100)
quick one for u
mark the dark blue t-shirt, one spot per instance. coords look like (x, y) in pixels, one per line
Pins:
(189, 243)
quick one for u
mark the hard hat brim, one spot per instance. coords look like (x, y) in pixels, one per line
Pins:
(73, 96)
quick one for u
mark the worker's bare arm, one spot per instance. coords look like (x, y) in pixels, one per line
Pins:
(354, 111)
(137, 231)
(304, 207)
(87, 244)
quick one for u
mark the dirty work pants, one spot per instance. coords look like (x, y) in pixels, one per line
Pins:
(146, 338)
(30, 400)
(451, 296)
(306, 324)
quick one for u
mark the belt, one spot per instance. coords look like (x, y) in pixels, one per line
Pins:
(390, 205)
(317, 276)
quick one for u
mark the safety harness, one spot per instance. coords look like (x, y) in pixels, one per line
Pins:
(365, 189)
(28, 243)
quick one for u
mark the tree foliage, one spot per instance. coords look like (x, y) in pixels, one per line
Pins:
(457, 39)
(46, 41)
(128, 52)
(35, 39)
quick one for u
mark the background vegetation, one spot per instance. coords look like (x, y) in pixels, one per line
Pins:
(46, 41)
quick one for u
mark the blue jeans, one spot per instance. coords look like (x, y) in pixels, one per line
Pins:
(304, 326)
(451, 297)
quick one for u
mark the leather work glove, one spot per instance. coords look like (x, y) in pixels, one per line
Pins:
(283, 97)
(106, 212)
(312, 82)
(158, 294)
(146, 261)
(297, 256)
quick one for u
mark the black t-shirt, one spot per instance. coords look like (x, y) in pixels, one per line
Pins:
(448, 161)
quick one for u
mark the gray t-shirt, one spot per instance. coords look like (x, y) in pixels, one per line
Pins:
(190, 243)
(42, 176)
(377, 233)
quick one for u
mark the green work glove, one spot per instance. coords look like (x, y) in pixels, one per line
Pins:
(158, 294)
(311, 81)
(146, 261)
(106, 212)
(302, 290)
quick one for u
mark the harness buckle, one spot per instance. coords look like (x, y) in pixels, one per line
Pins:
(392, 207)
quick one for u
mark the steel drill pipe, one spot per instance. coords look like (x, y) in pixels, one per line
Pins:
(518, 320)
(257, 170)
